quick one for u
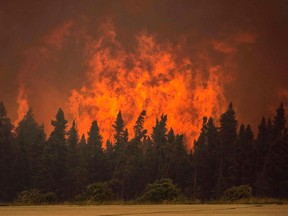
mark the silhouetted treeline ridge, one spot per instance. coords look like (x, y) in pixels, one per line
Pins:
(63, 165)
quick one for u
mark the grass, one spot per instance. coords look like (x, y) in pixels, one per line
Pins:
(181, 200)
(149, 210)
(252, 200)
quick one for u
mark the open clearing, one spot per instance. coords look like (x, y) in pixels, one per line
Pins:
(148, 210)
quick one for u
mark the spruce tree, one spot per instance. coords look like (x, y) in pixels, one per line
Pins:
(82, 174)
(72, 166)
(73, 137)
(55, 158)
(262, 145)
(159, 137)
(133, 177)
(8, 176)
(179, 169)
(245, 167)
(119, 135)
(30, 138)
(139, 131)
(277, 168)
(227, 150)
(212, 145)
(96, 163)
(120, 146)
(150, 160)
(95, 140)
(200, 163)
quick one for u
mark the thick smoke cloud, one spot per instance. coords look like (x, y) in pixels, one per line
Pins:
(44, 46)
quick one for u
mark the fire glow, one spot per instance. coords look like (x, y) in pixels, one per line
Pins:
(149, 78)
(155, 76)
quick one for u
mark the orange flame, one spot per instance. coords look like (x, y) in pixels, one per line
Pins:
(148, 78)
(23, 104)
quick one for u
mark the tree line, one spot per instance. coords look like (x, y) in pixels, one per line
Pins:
(64, 164)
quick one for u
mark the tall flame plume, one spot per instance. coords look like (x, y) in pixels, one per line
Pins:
(23, 104)
(150, 78)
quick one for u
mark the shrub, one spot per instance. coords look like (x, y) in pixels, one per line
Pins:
(237, 193)
(159, 191)
(34, 196)
(48, 198)
(97, 192)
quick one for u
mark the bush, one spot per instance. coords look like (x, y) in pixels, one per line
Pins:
(159, 191)
(48, 198)
(97, 192)
(34, 196)
(237, 193)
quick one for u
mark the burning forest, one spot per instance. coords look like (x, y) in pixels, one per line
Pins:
(143, 91)
(154, 76)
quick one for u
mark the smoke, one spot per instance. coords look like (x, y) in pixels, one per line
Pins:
(94, 52)
(149, 76)
(42, 77)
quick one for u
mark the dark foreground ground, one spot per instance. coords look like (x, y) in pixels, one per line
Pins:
(147, 210)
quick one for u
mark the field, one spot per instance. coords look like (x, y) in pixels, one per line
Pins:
(148, 210)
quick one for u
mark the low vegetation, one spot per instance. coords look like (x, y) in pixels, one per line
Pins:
(97, 192)
(237, 193)
(35, 197)
(160, 191)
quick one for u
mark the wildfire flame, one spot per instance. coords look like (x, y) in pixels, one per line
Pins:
(148, 78)
(183, 80)
(23, 104)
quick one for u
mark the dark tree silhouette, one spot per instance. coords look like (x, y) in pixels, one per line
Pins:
(277, 168)
(227, 150)
(54, 158)
(8, 174)
(30, 138)
(159, 137)
(222, 158)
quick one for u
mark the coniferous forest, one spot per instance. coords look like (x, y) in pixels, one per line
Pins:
(67, 167)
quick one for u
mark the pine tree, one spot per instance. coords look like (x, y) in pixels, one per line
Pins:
(95, 140)
(200, 162)
(73, 159)
(73, 137)
(82, 173)
(244, 156)
(277, 168)
(119, 132)
(262, 149)
(133, 178)
(279, 122)
(109, 150)
(179, 168)
(110, 159)
(96, 163)
(227, 150)
(55, 158)
(159, 137)
(30, 138)
(139, 131)
(261, 145)
(58, 135)
(150, 160)
(121, 139)
(212, 145)
(8, 176)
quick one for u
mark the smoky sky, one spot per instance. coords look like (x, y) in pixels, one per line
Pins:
(260, 74)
